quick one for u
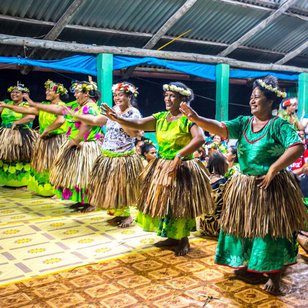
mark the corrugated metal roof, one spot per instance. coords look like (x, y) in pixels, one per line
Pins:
(211, 22)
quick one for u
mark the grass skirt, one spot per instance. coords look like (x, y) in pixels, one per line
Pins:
(44, 154)
(251, 212)
(45, 151)
(70, 173)
(114, 181)
(187, 196)
(16, 145)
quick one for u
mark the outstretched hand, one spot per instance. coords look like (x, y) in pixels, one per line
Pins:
(66, 110)
(108, 112)
(188, 112)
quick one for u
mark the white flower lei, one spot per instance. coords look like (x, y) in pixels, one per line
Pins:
(173, 88)
(270, 88)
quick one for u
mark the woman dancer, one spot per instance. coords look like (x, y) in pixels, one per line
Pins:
(263, 206)
(114, 179)
(52, 136)
(16, 141)
(175, 188)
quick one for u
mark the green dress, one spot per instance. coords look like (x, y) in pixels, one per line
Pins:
(79, 194)
(257, 151)
(14, 174)
(39, 181)
(171, 138)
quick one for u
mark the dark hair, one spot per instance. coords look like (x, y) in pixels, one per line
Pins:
(184, 98)
(234, 152)
(217, 164)
(270, 95)
(146, 147)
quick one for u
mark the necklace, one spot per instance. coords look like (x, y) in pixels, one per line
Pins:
(171, 117)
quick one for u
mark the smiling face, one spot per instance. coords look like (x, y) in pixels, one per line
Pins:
(121, 100)
(172, 101)
(81, 97)
(16, 96)
(51, 94)
(259, 104)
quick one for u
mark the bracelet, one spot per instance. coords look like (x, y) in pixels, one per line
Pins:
(179, 156)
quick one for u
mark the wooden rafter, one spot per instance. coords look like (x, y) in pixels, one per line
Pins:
(129, 51)
(292, 54)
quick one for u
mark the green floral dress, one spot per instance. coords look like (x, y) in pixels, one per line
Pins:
(79, 194)
(257, 151)
(171, 138)
(14, 174)
(39, 181)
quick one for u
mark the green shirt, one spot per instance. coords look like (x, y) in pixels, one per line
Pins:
(257, 151)
(172, 136)
(94, 132)
(9, 116)
(45, 119)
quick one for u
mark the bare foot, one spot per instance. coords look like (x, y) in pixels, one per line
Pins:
(273, 284)
(23, 188)
(87, 208)
(75, 206)
(249, 277)
(54, 197)
(183, 248)
(115, 221)
(167, 243)
(126, 222)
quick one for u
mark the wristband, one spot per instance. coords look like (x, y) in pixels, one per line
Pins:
(179, 156)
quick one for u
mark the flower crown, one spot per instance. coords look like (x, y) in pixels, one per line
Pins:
(19, 87)
(57, 87)
(125, 88)
(271, 89)
(174, 88)
(84, 86)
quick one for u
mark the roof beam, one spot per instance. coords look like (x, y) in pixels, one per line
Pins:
(163, 30)
(138, 52)
(283, 8)
(292, 54)
(58, 27)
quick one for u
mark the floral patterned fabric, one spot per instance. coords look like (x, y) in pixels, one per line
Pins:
(257, 151)
(116, 139)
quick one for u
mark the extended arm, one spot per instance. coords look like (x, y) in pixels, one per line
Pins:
(146, 124)
(20, 109)
(52, 108)
(90, 119)
(58, 122)
(83, 129)
(212, 126)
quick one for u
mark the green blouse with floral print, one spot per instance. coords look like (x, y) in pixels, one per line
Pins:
(258, 150)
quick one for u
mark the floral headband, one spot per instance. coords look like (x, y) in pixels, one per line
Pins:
(174, 88)
(57, 87)
(271, 89)
(84, 86)
(19, 87)
(125, 88)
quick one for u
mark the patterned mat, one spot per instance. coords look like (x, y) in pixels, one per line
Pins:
(155, 279)
(52, 257)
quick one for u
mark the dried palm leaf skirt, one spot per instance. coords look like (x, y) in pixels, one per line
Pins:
(44, 154)
(114, 181)
(70, 173)
(188, 195)
(16, 146)
(251, 212)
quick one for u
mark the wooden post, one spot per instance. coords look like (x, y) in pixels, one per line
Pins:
(104, 77)
(302, 95)
(222, 92)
